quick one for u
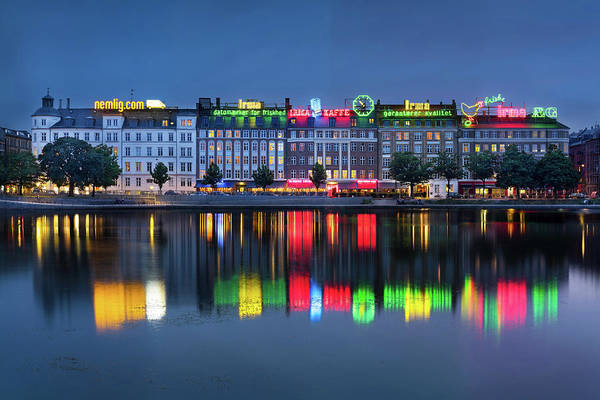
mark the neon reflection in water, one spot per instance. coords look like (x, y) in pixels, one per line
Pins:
(417, 302)
(506, 307)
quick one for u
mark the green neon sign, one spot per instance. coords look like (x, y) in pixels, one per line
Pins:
(493, 99)
(249, 113)
(417, 113)
(547, 112)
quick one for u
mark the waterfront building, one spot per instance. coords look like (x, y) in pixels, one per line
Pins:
(421, 128)
(492, 126)
(13, 141)
(139, 135)
(239, 138)
(584, 150)
(341, 139)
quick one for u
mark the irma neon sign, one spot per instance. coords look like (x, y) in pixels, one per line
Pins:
(416, 106)
(249, 105)
(511, 112)
(336, 112)
(249, 113)
(547, 112)
(120, 105)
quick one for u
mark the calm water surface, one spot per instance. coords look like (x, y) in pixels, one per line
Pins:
(299, 305)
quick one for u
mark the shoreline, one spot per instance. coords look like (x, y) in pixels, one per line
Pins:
(283, 204)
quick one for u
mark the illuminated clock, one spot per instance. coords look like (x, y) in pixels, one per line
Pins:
(363, 105)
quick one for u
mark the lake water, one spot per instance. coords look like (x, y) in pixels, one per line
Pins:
(300, 304)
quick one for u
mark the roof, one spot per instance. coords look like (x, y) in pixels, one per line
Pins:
(585, 135)
(78, 118)
(14, 132)
(46, 112)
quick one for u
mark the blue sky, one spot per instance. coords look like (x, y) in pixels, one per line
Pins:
(537, 53)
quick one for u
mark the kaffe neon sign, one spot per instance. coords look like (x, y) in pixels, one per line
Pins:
(336, 112)
(249, 113)
(547, 112)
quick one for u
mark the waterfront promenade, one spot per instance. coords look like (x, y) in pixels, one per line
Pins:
(245, 201)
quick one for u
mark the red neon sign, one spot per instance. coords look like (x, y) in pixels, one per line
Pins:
(297, 112)
(366, 183)
(511, 112)
(335, 112)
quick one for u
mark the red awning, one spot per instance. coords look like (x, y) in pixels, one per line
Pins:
(299, 184)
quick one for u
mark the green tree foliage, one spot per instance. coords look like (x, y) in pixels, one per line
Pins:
(407, 169)
(64, 162)
(4, 172)
(482, 166)
(318, 175)
(516, 170)
(102, 168)
(160, 175)
(556, 171)
(22, 170)
(448, 166)
(263, 177)
(212, 176)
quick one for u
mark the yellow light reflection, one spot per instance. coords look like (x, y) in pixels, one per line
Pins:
(116, 303)
(250, 295)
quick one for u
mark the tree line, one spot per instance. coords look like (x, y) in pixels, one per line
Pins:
(515, 169)
(65, 162)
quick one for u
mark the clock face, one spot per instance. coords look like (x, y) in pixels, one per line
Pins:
(363, 105)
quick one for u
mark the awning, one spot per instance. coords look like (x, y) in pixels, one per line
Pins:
(299, 184)
(389, 185)
(220, 185)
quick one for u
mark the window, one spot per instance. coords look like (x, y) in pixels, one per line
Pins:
(127, 166)
(171, 151)
(148, 137)
(138, 181)
(465, 147)
(170, 167)
(149, 166)
(138, 166)
(127, 181)
(149, 151)
(127, 151)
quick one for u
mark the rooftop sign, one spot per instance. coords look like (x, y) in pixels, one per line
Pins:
(249, 113)
(250, 105)
(120, 105)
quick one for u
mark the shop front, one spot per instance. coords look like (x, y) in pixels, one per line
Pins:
(476, 189)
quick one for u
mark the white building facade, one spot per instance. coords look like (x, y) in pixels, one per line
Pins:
(139, 139)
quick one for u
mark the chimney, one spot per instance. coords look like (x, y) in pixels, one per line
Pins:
(218, 102)
(287, 103)
(59, 104)
(68, 103)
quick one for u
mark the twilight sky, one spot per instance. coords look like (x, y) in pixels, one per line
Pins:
(537, 53)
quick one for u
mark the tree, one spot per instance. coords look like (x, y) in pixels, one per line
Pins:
(160, 175)
(556, 171)
(318, 176)
(23, 170)
(448, 166)
(516, 170)
(4, 173)
(102, 168)
(212, 176)
(407, 169)
(482, 166)
(263, 177)
(64, 162)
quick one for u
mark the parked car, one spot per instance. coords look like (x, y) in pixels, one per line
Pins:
(198, 194)
(577, 195)
(170, 193)
(454, 195)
